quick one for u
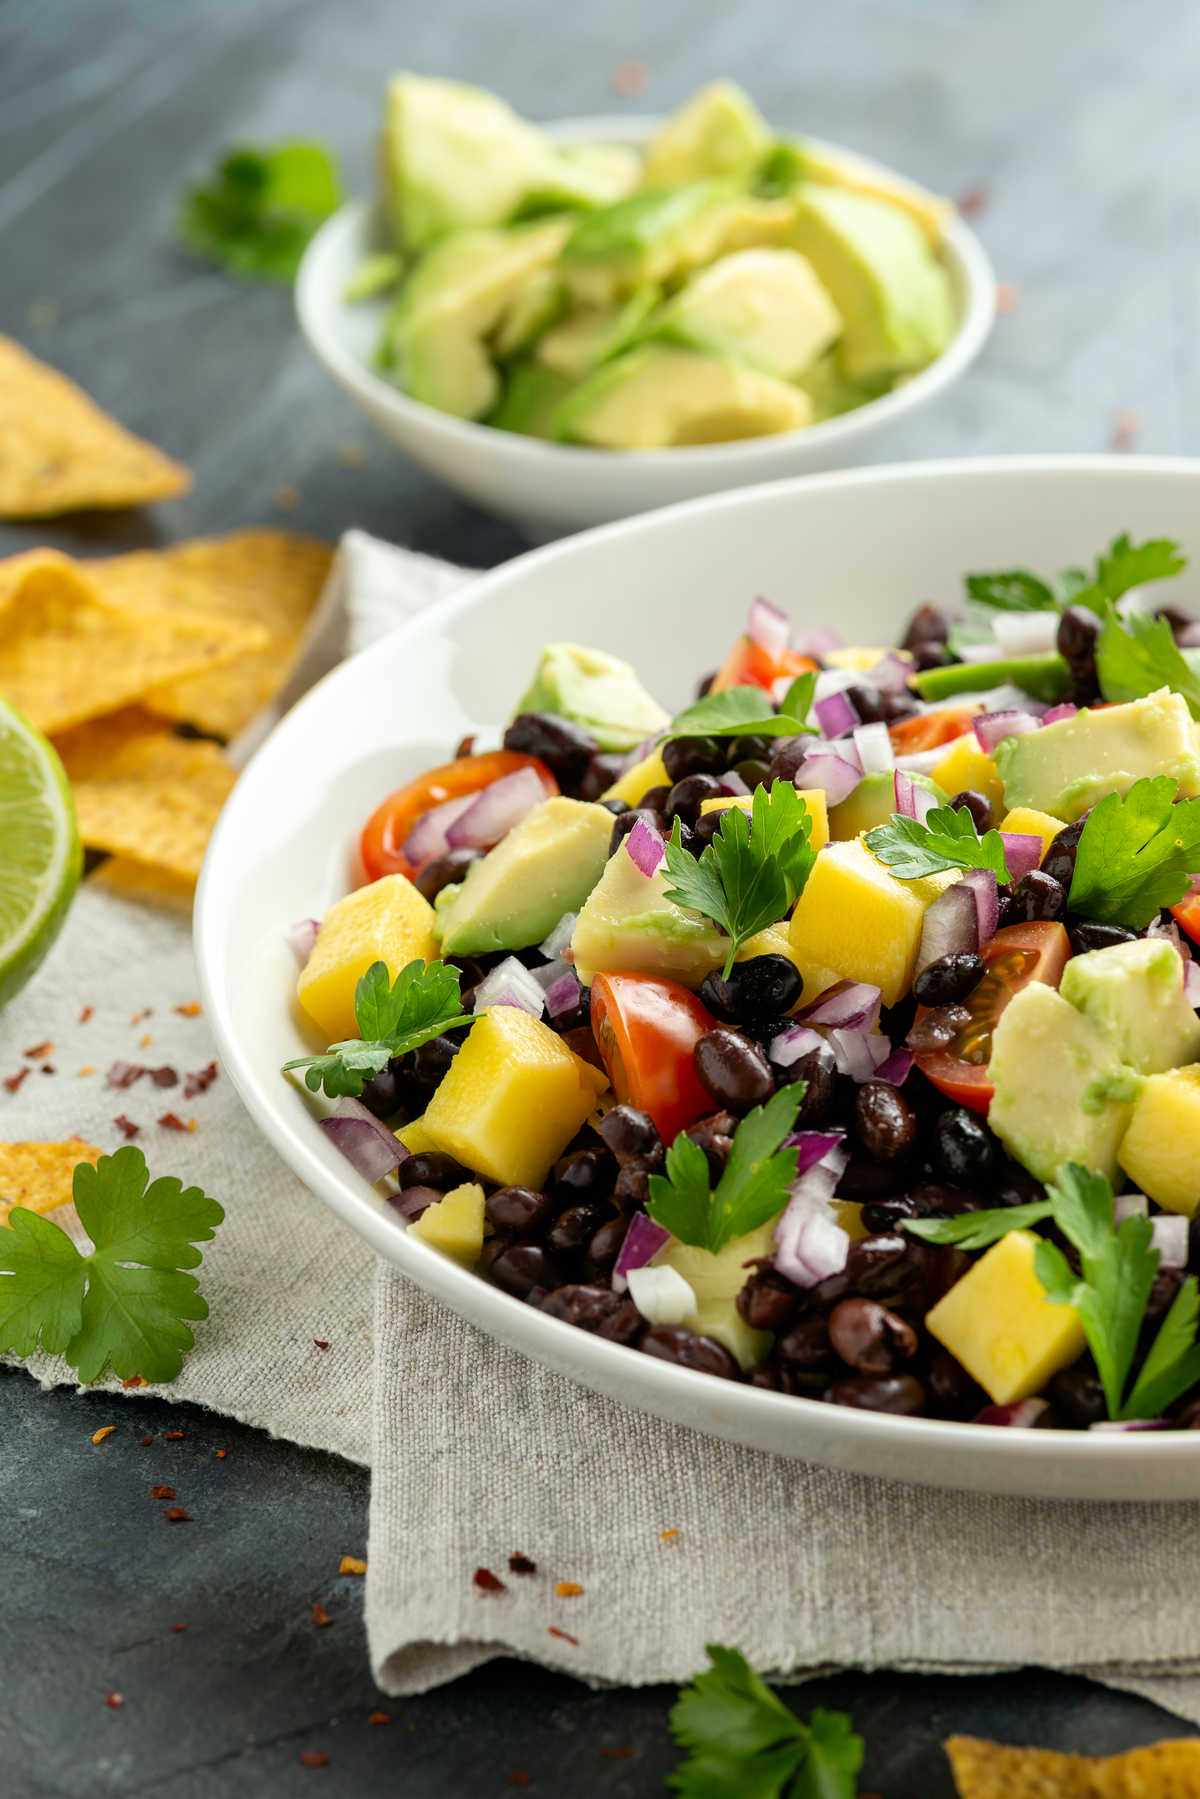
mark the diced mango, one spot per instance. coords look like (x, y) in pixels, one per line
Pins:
(858, 658)
(998, 1322)
(855, 921)
(966, 765)
(1026, 821)
(454, 1224)
(512, 1099)
(385, 922)
(813, 797)
(1161, 1148)
(415, 1137)
(649, 772)
(725, 801)
(848, 1213)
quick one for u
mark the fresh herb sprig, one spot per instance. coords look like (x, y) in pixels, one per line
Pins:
(947, 838)
(1138, 655)
(753, 1187)
(393, 1017)
(125, 1303)
(259, 207)
(746, 712)
(741, 1739)
(1136, 854)
(1122, 566)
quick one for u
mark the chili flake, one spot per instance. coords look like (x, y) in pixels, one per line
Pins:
(13, 1081)
(1007, 295)
(124, 1074)
(144, 1441)
(86, 1014)
(221, 1454)
(320, 1615)
(631, 78)
(86, 1069)
(554, 1631)
(176, 1628)
(200, 1081)
(106, 1430)
(39, 1052)
(312, 1758)
(164, 1076)
(521, 1564)
(320, 1343)
(175, 1514)
(137, 1017)
(379, 1718)
(135, 1380)
(619, 1755)
(487, 1582)
(352, 1564)
(568, 1589)
(668, 1536)
(171, 1436)
(517, 1777)
(48, 1068)
(114, 1701)
(127, 1127)
(171, 1121)
(193, 1009)
(974, 201)
(144, 1042)
(162, 1492)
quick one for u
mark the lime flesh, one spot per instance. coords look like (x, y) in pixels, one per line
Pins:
(40, 853)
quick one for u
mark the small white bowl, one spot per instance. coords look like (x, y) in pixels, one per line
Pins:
(548, 488)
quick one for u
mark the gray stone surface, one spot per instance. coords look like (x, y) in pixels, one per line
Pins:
(1076, 123)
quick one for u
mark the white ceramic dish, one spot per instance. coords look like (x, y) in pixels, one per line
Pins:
(860, 549)
(552, 488)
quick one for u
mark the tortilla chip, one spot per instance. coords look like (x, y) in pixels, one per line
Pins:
(59, 452)
(144, 883)
(67, 655)
(1169, 1770)
(38, 1175)
(141, 791)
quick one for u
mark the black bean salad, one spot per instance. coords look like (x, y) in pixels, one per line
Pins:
(837, 1034)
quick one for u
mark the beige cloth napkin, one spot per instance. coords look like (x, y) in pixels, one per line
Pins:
(478, 1453)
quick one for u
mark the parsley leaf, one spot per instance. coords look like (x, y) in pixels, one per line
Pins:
(124, 1304)
(946, 839)
(747, 712)
(1011, 590)
(742, 1739)
(1173, 1364)
(1138, 655)
(1122, 566)
(1136, 854)
(979, 1230)
(754, 1185)
(393, 1018)
(259, 207)
(752, 871)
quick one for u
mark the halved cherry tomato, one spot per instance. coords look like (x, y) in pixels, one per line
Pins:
(1187, 915)
(646, 1029)
(1017, 955)
(929, 730)
(749, 665)
(389, 825)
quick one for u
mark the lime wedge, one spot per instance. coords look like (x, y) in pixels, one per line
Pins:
(40, 852)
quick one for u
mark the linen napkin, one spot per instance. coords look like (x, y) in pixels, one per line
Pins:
(673, 1538)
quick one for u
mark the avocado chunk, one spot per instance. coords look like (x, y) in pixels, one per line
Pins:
(454, 156)
(628, 923)
(593, 335)
(716, 1280)
(530, 400)
(719, 131)
(638, 241)
(764, 307)
(1062, 1092)
(597, 691)
(583, 176)
(1045, 677)
(531, 311)
(516, 894)
(657, 397)
(892, 294)
(1134, 993)
(1066, 767)
(873, 802)
(841, 168)
(830, 392)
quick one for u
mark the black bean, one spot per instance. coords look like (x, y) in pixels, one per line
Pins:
(1188, 1418)
(788, 754)
(523, 1266)
(1078, 631)
(929, 1199)
(899, 705)
(1178, 617)
(629, 1132)
(928, 624)
(885, 1122)
(760, 987)
(1188, 638)
(426, 1067)
(443, 871)
(565, 747)
(432, 1168)
(768, 1301)
(949, 980)
(675, 1344)
(963, 1147)
(900, 1393)
(1165, 1286)
(605, 1246)
(938, 1027)
(734, 1070)
(1088, 934)
(595, 1309)
(705, 829)
(818, 1069)
(714, 1134)
(755, 771)
(684, 799)
(518, 1211)
(1037, 896)
(952, 1393)
(1077, 1395)
(867, 702)
(655, 798)
(1193, 1253)
(383, 1093)
(683, 756)
(978, 805)
(776, 1379)
(625, 822)
(704, 684)
(1015, 1186)
(879, 1265)
(633, 1185)
(573, 1229)
(931, 655)
(616, 807)
(869, 1338)
(604, 768)
(587, 1174)
(1059, 859)
(806, 1344)
(758, 749)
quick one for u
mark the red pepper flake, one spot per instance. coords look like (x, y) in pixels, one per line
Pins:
(172, 1436)
(137, 1017)
(193, 1009)
(380, 1718)
(49, 1068)
(974, 201)
(124, 1074)
(619, 1755)
(487, 1582)
(106, 1430)
(320, 1343)
(86, 1069)
(630, 78)
(171, 1121)
(1126, 427)
(200, 1080)
(221, 1454)
(136, 1380)
(320, 1615)
(127, 1127)
(521, 1564)
(86, 1014)
(352, 1564)
(114, 1701)
(39, 1052)
(162, 1492)
(146, 1041)
(1008, 295)
(554, 1631)
(13, 1081)
(312, 1758)
(176, 1628)
(164, 1076)
(568, 1589)
(669, 1536)
(175, 1514)
(517, 1777)
(144, 1441)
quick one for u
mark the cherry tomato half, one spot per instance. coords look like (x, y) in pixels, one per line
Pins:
(749, 665)
(1017, 955)
(646, 1029)
(387, 828)
(1187, 915)
(929, 730)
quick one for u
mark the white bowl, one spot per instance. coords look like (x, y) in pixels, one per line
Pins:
(549, 488)
(860, 549)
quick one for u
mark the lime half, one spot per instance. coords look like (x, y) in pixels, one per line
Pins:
(40, 853)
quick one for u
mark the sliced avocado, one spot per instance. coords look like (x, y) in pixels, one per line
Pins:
(719, 131)
(529, 401)
(764, 307)
(716, 1280)
(628, 923)
(873, 803)
(444, 366)
(1045, 677)
(830, 392)
(637, 241)
(515, 895)
(589, 337)
(454, 156)
(893, 296)
(1062, 1092)
(656, 397)
(839, 168)
(1066, 767)
(376, 274)
(532, 310)
(597, 691)
(1134, 993)
(583, 176)
(743, 222)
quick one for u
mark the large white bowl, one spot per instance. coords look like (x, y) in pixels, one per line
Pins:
(857, 550)
(549, 488)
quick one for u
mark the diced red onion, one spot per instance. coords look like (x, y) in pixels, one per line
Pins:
(923, 762)
(1053, 714)
(563, 995)
(646, 848)
(796, 1041)
(850, 1004)
(412, 1201)
(560, 937)
(428, 837)
(510, 983)
(818, 642)
(643, 1240)
(834, 680)
(1169, 1236)
(549, 972)
(874, 748)
(1166, 927)
(1191, 983)
(1124, 1424)
(1026, 633)
(1129, 1205)
(828, 769)
(1024, 1413)
(661, 1295)
(301, 936)
(812, 1147)
(1022, 852)
(858, 1053)
(501, 805)
(890, 674)
(896, 1070)
(732, 784)
(363, 1139)
(835, 714)
(768, 627)
(991, 728)
(912, 800)
(981, 884)
(950, 926)
(810, 1244)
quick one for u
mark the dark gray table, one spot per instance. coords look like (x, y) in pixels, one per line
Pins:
(1075, 124)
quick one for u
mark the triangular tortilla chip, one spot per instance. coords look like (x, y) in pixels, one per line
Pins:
(1169, 1770)
(59, 452)
(38, 1175)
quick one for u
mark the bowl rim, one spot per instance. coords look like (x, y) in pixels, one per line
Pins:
(650, 1384)
(966, 254)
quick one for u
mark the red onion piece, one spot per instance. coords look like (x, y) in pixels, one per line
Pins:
(428, 837)
(991, 728)
(835, 714)
(853, 1004)
(817, 643)
(646, 848)
(897, 1068)
(834, 680)
(412, 1201)
(560, 937)
(812, 1147)
(1129, 1205)
(1169, 1236)
(981, 884)
(1191, 983)
(510, 983)
(1022, 853)
(494, 812)
(1024, 1413)
(874, 748)
(768, 627)
(950, 926)
(858, 1052)
(563, 995)
(923, 762)
(301, 936)
(810, 1244)
(732, 784)
(796, 1041)
(912, 800)
(890, 674)
(643, 1240)
(1026, 633)
(830, 770)
(363, 1139)
(1125, 1424)
(1054, 713)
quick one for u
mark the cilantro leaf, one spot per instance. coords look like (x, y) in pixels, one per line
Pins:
(752, 871)
(742, 1739)
(1011, 590)
(978, 1230)
(946, 839)
(746, 712)
(394, 1018)
(1136, 854)
(753, 1187)
(259, 207)
(98, 1309)
(1138, 655)
(1173, 1364)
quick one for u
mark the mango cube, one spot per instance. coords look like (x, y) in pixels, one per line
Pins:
(813, 797)
(966, 765)
(512, 1099)
(454, 1224)
(415, 1137)
(855, 921)
(859, 658)
(649, 772)
(998, 1322)
(1161, 1148)
(385, 922)
(1027, 821)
